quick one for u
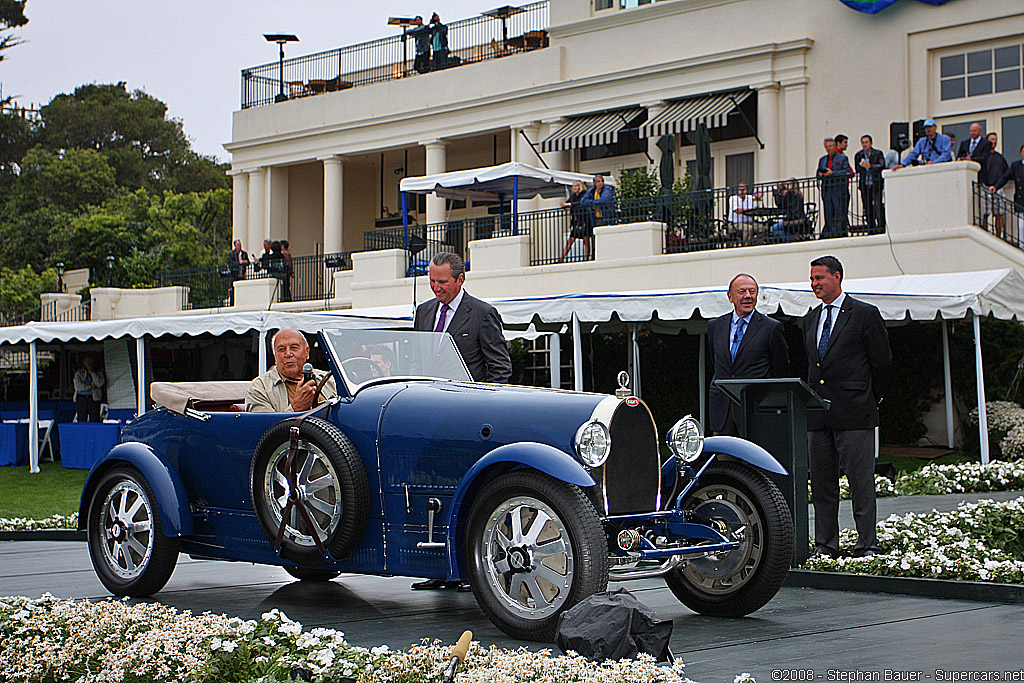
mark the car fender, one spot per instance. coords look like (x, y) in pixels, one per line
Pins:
(744, 450)
(538, 456)
(171, 499)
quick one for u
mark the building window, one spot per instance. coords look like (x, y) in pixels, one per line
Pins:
(980, 72)
(603, 4)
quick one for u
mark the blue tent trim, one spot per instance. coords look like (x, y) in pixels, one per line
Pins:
(876, 6)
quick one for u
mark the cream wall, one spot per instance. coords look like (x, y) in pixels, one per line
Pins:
(305, 209)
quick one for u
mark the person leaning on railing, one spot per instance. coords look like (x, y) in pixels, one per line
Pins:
(601, 200)
(1016, 174)
(933, 148)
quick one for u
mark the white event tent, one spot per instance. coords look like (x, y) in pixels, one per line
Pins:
(925, 297)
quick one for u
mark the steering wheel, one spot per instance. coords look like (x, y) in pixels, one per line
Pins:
(360, 369)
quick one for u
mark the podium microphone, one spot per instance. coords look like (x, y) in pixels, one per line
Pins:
(458, 655)
(307, 372)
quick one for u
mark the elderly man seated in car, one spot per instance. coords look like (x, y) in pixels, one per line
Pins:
(282, 388)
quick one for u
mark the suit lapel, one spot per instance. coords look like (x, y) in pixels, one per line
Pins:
(753, 327)
(461, 316)
(430, 315)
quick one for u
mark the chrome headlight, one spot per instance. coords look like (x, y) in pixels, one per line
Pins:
(593, 443)
(686, 440)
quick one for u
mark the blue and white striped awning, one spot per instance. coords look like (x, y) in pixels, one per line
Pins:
(684, 115)
(590, 130)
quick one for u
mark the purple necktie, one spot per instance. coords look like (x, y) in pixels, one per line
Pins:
(440, 326)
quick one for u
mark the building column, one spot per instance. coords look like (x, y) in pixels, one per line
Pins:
(437, 162)
(559, 160)
(240, 209)
(795, 156)
(653, 109)
(524, 154)
(334, 187)
(768, 130)
(259, 230)
(277, 202)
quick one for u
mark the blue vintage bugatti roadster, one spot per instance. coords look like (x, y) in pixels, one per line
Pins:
(536, 497)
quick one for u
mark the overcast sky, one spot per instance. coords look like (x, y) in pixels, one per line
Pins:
(189, 53)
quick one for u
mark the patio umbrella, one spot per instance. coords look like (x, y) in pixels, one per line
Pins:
(667, 167)
(702, 182)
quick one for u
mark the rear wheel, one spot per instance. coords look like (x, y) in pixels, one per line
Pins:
(536, 547)
(127, 545)
(751, 509)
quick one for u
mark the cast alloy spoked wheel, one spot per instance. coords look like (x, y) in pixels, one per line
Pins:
(745, 506)
(331, 489)
(535, 547)
(127, 546)
(319, 493)
(529, 557)
(126, 530)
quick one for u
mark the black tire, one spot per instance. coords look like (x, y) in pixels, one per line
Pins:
(312, 575)
(336, 494)
(521, 593)
(127, 545)
(743, 580)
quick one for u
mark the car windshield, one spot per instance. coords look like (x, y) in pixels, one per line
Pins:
(367, 355)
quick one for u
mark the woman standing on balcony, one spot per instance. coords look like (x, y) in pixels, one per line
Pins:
(579, 223)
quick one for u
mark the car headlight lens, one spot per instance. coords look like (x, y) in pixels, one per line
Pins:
(593, 443)
(686, 440)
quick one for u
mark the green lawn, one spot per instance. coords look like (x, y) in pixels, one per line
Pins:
(53, 491)
(914, 464)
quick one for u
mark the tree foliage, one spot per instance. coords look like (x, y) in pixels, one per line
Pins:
(104, 172)
(12, 15)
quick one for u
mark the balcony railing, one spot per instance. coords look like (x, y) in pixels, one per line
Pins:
(48, 313)
(301, 278)
(786, 211)
(999, 215)
(469, 40)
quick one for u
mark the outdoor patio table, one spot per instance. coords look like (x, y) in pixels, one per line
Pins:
(82, 443)
(13, 443)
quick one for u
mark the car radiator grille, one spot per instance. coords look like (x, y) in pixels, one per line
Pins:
(630, 480)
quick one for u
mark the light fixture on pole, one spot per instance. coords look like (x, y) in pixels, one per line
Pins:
(110, 270)
(280, 39)
(60, 276)
(405, 23)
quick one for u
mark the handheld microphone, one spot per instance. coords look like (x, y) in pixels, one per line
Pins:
(458, 655)
(307, 372)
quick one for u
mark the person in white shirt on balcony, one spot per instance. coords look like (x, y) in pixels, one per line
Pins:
(740, 224)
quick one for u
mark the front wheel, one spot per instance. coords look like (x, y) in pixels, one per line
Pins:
(127, 545)
(535, 548)
(747, 506)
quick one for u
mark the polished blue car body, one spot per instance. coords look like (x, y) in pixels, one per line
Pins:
(432, 449)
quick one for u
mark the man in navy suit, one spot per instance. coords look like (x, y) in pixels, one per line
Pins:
(848, 363)
(834, 172)
(474, 325)
(744, 345)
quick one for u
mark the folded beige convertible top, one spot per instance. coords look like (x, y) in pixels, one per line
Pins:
(177, 396)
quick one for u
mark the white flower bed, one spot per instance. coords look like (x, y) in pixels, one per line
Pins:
(1006, 423)
(976, 542)
(114, 641)
(51, 522)
(934, 480)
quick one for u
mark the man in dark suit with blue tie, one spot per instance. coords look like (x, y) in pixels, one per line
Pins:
(744, 345)
(849, 363)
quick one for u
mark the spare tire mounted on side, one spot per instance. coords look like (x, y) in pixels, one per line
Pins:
(332, 490)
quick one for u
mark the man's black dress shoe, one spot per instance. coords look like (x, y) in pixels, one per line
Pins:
(429, 585)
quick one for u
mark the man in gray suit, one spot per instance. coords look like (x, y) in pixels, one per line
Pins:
(474, 324)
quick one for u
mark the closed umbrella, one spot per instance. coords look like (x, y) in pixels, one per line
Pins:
(667, 171)
(702, 185)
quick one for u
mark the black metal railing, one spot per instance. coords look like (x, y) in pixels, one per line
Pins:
(300, 278)
(1000, 216)
(773, 213)
(48, 313)
(424, 241)
(479, 38)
